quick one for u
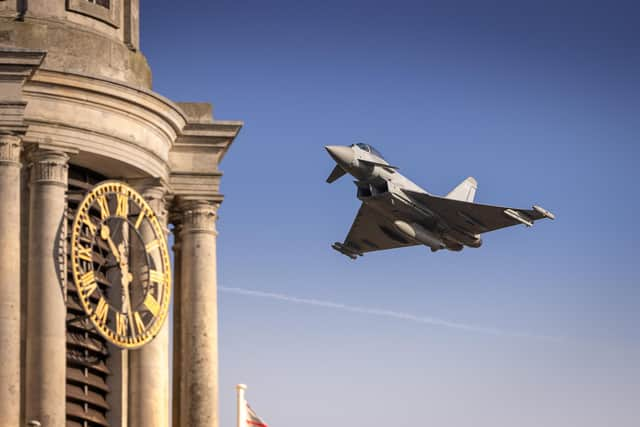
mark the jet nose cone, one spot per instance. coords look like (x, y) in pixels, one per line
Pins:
(343, 155)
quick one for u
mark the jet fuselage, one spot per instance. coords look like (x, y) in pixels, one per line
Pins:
(382, 187)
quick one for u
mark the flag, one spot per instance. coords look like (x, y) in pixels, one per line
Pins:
(253, 419)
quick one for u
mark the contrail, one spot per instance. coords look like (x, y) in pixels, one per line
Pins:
(385, 313)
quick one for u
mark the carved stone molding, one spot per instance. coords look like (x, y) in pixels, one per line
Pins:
(154, 192)
(10, 149)
(16, 67)
(197, 217)
(49, 167)
(12, 115)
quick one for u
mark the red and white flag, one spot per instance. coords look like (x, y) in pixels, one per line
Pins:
(247, 417)
(253, 419)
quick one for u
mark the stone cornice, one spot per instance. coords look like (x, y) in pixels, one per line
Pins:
(110, 94)
(195, 156)
(188, 186)
(12, 116)
(216, 137)
(162, 136)
(19, 64)
(130, 161)
(16, 67)
(217, 128)
(114, 126)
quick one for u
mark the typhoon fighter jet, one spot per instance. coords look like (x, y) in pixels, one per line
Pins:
(396, 213)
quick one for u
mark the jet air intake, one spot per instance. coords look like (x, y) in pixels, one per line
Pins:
(420, 234)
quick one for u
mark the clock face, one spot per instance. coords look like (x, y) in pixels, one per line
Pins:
(120, 264)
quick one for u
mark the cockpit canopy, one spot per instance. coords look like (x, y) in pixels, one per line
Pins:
(368, 148)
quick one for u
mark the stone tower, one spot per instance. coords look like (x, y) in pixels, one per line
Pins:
(76, 109)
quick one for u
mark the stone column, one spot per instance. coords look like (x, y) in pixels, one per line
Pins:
(198, 316)
(118, 383)
(46, 310)
(10, 181)
(177, 345)
(149, 365)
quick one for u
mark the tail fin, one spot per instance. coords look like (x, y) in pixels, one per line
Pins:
(465, 191)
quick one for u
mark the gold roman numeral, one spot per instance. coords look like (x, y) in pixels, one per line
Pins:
(84, 253)
(102, 309)
(140, 218)
(87, 283)
(151, 304)
(156, 276)
(90, 225)
(104, 207)
(122, 209)
(139, 323)
(152, 245)
(121, 324)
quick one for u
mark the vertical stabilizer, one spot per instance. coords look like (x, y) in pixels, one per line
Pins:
(465, 191)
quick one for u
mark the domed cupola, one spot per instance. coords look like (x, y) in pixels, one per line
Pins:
(98, 38)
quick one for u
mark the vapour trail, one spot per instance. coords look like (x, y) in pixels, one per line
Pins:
(385, 313)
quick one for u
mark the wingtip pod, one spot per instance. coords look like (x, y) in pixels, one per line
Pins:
(544, 212)
(345, 250)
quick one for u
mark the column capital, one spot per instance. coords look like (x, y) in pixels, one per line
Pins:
(49, 167)
(10, 149)
(154, 192)
(195, 216)
(11, 299)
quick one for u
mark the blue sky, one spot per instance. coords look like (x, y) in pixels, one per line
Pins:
(539, 102)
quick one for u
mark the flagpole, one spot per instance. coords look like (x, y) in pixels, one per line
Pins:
(242, 405)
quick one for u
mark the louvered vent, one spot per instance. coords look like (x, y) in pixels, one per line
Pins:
(87, 351)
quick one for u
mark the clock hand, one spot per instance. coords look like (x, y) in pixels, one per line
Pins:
(126, 278)
(105, 234)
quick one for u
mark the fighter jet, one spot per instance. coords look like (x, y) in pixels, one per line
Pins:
(396, 213)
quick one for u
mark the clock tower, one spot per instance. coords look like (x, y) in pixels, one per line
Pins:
(98, 174)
